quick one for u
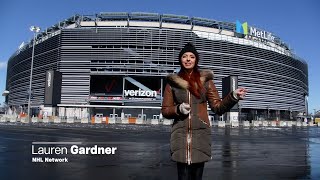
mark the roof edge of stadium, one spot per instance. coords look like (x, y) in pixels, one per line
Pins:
(146, 16)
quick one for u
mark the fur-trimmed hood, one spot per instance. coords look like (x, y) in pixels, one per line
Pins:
(175, 80)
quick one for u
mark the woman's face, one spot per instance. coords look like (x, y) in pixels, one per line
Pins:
(188, 60)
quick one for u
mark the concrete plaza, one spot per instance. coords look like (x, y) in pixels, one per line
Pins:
(143, 152)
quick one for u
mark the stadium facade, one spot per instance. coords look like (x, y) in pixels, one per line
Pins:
(110, 61)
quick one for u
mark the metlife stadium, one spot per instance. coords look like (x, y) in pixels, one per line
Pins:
(113, 62)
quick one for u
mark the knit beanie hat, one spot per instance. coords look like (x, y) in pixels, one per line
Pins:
(189, 48)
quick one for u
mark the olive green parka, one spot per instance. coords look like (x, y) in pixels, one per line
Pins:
(190, 140)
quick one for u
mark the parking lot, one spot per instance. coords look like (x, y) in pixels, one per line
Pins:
(143, 152)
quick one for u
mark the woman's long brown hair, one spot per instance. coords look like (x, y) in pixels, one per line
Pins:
(193, 79)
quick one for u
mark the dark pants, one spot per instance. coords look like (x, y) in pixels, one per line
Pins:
(190, 172)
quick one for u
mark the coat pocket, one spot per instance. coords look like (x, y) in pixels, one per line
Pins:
(206, 123)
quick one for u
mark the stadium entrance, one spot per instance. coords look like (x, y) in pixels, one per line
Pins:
(125, 91)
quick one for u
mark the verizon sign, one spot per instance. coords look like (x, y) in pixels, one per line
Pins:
(52, 88)
(140, 93)
(49, 79)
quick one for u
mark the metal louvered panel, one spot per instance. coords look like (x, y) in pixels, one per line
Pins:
(18, 74)
(273, 78)
(153, 52)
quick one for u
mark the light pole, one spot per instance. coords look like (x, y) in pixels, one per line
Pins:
(268, 109)
(290, 113)
(240, 106)
(35, 30)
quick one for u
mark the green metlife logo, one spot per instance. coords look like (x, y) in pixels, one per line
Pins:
(242, 28)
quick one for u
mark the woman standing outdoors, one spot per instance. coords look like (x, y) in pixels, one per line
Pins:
(185, 100)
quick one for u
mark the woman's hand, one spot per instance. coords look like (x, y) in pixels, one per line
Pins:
(240, 93)
(184, 108)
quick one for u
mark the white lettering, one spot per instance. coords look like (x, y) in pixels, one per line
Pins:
(49, 150)
(261, 34)
(37, 159)
(253, 31)
(92, 150)
(126, 93)
(74, 149)
(114, 150)
(49, 79)
(264, 35)
(233, 84)
(270, 37)
(55, 159)
(140, 92)
(143, 93)
(131, 93)
(148, 93)
(32, 150)
(258, 33)
(154, 93)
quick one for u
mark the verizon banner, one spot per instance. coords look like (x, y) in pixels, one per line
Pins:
(53, 88)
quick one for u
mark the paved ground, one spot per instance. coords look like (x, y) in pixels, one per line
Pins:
(143, 153)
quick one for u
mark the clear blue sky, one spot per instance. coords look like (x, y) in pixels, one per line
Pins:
(296, 22)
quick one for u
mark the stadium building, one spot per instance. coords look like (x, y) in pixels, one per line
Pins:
(117, 62)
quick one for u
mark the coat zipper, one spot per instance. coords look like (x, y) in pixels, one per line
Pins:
(189, 133)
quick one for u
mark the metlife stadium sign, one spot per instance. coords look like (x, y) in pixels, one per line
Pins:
(243, 29)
